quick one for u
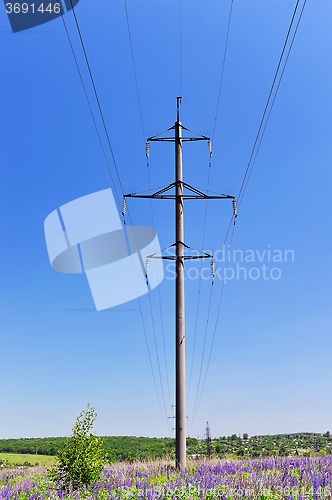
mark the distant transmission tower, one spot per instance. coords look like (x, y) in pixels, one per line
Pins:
(208, 440)
(183, 192)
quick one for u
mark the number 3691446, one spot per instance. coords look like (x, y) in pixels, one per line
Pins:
(17, 8)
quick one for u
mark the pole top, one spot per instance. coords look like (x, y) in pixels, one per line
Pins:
(178, 101)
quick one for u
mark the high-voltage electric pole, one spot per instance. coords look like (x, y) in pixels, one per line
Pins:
(179, 257)
(208, 440)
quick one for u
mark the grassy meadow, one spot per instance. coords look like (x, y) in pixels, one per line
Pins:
(20, 459)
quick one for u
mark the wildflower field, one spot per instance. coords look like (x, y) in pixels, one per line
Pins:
(288, 479)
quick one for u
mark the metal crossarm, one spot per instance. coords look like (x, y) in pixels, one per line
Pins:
(183, 139)
(197, 194)
(156, 138)
(174, 257)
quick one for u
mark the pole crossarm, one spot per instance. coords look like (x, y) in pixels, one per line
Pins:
(202, 255)
(197, 194)
(173, 257)
(171, 139)
(199, 137)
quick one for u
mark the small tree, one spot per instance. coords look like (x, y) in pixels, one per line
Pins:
(82, 460)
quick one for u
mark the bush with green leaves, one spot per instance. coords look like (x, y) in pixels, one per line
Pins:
(83, 459)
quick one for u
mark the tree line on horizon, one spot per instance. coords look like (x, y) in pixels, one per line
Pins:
(131, 448)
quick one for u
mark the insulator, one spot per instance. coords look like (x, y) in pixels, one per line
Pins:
(124, 207)
(147, 150)
(210, 148)
(212, 269)
(147, 268)
(234, 208)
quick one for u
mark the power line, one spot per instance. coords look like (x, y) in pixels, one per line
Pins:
(197, 403)
(273, 100)
(89, 104)
(96, 95)
(204, 344)
(208, 183)
(249, 167)
(157, 355)
(135, 74)
(152, 216)
(164, 346)
(116, 168)
(150, 361)
(222, 70)
(199, 285)
(215, 327)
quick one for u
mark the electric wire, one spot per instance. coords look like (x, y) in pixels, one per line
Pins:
(207, 323)
(89, 104)
(117, 172)
(247, 175)
(134, 67)
(274, 98)
(149, 356)
(240, 196)
(199, 287)
(222, 70)
(158, 364)
(97, 98)
(204, 344)
(206, 204)
(215, 327)
(152, 218)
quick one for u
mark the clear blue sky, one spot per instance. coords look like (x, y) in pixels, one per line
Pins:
(270, 370)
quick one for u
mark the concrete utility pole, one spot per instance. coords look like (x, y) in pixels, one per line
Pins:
(180, 415)
(179, 258)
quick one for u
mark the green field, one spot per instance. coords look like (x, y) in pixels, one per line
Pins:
(18, 459)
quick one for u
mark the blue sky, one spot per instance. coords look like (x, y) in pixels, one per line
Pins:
(270, 369)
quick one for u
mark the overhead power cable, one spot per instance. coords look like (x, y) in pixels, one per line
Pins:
(253, 156)
(89, 104)
(199, 286)
(215, 328)
(152, 215)
(116, 168)
(222, 70)
(273, 100)
(96, 95)
(257, 141)
(134, 66)
(206, 203)
(196, 405)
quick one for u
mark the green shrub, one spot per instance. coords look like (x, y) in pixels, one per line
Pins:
(82, 461)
